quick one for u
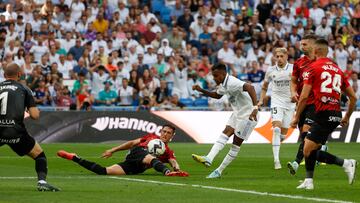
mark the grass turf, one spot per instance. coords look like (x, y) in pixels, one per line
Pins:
(252, 170)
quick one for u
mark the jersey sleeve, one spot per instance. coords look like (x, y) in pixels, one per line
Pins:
(267, 76)
(295, 71)
(345, 83)
(238, 85)
(29, 98)
(169, 154)
(220, 90)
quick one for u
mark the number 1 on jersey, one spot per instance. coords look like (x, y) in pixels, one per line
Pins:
(4, 99)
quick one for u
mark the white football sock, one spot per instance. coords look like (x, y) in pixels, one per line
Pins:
(218, 146)
(232, 154)
(276, 143)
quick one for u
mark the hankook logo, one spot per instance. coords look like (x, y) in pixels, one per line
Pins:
(110, 123)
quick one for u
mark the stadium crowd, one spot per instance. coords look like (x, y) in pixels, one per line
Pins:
(80, 53)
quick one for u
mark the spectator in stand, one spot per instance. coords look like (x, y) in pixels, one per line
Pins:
(107, 96)
(42, 95)
(126, 93)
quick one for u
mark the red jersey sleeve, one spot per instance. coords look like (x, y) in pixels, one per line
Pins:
(345, 83)
(296, 71)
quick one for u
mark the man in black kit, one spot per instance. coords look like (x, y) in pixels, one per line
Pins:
(15, 99)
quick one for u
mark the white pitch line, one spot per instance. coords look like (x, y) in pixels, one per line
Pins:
(234, 190)
(253, 192)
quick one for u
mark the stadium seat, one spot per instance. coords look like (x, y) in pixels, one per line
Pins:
(187, 102)
(201, 102)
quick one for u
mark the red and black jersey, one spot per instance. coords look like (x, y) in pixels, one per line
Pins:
(302, 65)
(169, 154)
(328, 81)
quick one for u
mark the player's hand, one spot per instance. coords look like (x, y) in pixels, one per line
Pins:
(294, 98)
(253, 114)
(196, 87)
(106, 154)
(344, 122)
(294, 122)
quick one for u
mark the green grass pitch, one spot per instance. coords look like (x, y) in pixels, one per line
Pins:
(251, 171)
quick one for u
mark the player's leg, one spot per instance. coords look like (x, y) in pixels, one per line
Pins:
(277, 115)
(309, 147)
(304, 127)
(38, 155)
(115, 169)
(89, 165)
(156, 164)
(242, 132)
(219, 144)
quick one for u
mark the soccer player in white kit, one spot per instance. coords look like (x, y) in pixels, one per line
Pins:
(242, 97)
(282, 109)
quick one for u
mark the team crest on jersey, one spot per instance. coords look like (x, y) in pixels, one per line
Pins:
(306, 75)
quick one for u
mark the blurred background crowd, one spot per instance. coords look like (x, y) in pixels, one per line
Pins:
(81, 54)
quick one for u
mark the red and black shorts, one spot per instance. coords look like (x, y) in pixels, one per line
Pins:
(324, 124)
(133, 163)
(22, 144)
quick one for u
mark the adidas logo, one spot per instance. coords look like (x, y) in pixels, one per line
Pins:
(110, 123)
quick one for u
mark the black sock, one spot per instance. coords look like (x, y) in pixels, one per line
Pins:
(300, 153)
(91, 166)
(328, 158)
(159, 166)
(310, 164)
(41, 166)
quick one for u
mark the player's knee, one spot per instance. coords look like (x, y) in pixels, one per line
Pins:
(307, 152)
(228, 131)
(148, 159)
(41, 156)
(277, 130)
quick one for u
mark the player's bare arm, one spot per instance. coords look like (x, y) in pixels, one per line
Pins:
(263, 93)
(174, 164)
(251, 91)
(352, 105)
(207, 93)
(125, 146)
(34, 113)
(301, 104)
(293, 87)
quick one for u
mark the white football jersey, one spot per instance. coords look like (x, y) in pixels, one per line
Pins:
(239, 100)
(280, 79)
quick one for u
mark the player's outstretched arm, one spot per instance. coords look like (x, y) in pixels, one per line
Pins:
(263, 93)
(251, 91)
(293, 87)
(174, 164)
(207, 93)
(125, 146)
(34, 113)
(352, 105)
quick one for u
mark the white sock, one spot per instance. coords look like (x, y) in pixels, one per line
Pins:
(346, 163)
(42, 181)
(232, 154)
(276, 143)
(218, 146)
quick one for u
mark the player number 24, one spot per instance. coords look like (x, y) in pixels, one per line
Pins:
(334, 81)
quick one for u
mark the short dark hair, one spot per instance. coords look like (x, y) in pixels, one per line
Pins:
(219, 66)
(170, 126)
(310, 36)
(11, 70)
(322, 42)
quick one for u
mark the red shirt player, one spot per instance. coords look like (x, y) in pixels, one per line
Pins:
(327, 82)
(297, 82)
(138, 159)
